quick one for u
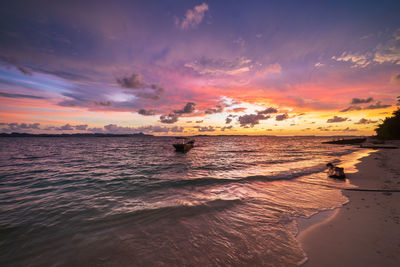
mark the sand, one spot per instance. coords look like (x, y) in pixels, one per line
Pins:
(366, 230)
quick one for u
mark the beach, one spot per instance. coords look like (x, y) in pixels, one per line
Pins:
(366, 230)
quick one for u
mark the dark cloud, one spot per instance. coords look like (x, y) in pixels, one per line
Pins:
(395, 79)
(327, 129)
(281, 117)
(206, 129)
(324, 129)
(226, 128)
(19, 127)
(24, 70)
(228, 120)
(199, 121)
(378, 105)
(251, 119)
(145, 112)
(96, 130)
(104, 104)
(336, 119)
(270, 110)
(140, 88)
(187, 109)
(365, 121)
(2, 94)
(81, 127)
(173, 117)
(345, 130)
(351, 108)
(356, 101)
(66, 127)
(132, 82)
(13, 62)
(217, 109)
(170, 118)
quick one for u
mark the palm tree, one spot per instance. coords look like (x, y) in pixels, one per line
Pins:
(390, 127)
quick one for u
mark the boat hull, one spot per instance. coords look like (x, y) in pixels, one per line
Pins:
(183, 147)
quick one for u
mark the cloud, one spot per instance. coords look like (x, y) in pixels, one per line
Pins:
(81, 127)
(237, 110)
(351, 108)
(173, 117)
(132, 82)
(336, 119)
(270, 110)
(2, 94)
(19, 127)
(170, 118)
(389, 52)
(140, 88)
(220, 66)
(103, 104)
(365, 121)
(378, 105)
(217, 109)
(240, 41)
(228, 120)
(357, 60)
(251, 119)
(206, 129)
(145, 112)
(66, 127)
(96, 130)
(193, 17)
(318, 65)
(199, 121)
(395, 79)
(115, 129)
(187, 109)
(356, 101)
(226, 128)
(272, 68)
(347, 129)
(281, 117)
(327, 129)
(13, 62)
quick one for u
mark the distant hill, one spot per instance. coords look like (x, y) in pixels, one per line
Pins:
(74, 135)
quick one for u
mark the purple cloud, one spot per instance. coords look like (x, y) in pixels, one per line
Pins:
(336, 119)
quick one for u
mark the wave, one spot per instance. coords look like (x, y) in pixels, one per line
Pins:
(239, 151)
(286, 175)
(153, 214)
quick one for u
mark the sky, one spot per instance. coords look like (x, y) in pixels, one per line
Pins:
(198, 67)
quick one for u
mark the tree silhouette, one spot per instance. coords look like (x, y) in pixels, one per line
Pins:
(390, 127)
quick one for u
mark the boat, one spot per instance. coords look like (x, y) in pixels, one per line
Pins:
(346, 141)
(184, 146)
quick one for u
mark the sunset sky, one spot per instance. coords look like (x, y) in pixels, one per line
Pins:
(194, 67)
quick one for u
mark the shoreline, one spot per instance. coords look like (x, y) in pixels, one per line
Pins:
(365, 231)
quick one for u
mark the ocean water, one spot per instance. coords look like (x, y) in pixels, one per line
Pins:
(134, 201)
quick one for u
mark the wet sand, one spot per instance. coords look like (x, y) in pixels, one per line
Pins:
(365, 231)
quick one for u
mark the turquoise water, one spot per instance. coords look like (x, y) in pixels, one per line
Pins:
(134, 201)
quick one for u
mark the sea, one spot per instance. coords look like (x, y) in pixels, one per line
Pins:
(135, 201)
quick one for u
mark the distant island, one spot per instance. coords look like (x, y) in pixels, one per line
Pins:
(74, 135)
